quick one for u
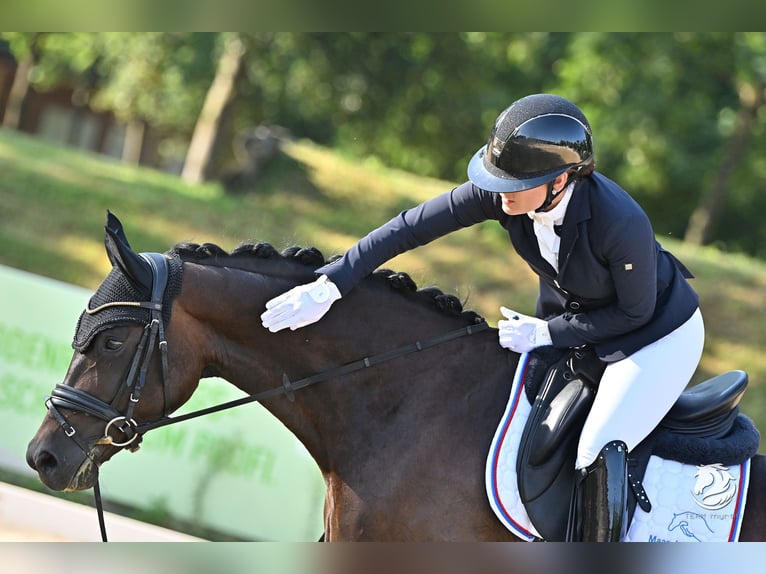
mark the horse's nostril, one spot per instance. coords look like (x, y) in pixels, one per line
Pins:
(45, 461)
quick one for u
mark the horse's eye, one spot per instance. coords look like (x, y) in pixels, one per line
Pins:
(113, 344)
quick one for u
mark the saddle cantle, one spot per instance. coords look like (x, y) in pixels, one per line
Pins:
(704, 426)
(709, 408)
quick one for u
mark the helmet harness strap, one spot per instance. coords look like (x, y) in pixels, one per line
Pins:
(549, 196)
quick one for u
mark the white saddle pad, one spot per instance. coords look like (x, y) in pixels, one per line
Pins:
(689, 503)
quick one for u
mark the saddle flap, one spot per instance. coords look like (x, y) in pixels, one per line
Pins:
(547, 449)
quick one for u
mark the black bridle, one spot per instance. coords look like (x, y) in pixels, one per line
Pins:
(67, 397)
(71, 398)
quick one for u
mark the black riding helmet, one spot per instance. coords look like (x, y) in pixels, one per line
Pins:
(533, 141)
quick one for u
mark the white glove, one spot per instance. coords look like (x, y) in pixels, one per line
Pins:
(522, 333)
(301, 305)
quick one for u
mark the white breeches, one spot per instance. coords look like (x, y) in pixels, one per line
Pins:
(638, 391)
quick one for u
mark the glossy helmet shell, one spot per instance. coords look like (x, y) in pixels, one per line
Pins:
(534, 140)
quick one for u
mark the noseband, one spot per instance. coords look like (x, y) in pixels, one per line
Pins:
(67, 397)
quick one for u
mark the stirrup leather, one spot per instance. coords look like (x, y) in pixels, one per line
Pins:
(600, 497)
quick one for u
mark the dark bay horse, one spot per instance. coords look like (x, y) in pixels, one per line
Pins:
(401, 438)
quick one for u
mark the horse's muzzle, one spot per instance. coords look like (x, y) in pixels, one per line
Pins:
(72, 470)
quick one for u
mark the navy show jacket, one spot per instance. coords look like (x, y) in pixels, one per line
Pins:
(616, 289)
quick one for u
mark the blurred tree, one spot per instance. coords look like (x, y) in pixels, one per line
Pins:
(429, 100)
(423, 102)
(209, 125)
(69, 60)
(750, 77)
(25, 47)
(155, 80)
(652, 99)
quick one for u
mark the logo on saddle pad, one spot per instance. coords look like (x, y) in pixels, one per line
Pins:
(714, 488)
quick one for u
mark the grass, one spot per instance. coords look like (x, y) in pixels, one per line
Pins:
(53, 202)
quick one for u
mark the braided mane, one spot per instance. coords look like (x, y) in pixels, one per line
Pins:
(313, 258)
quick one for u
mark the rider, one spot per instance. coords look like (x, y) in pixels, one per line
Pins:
(604, 281)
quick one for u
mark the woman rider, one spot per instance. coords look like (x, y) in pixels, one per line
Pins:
(604, 281)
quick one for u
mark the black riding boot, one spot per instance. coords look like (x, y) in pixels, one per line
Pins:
(600, 498)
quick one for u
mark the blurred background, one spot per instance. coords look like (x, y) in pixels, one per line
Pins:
(316, 138)
(678, 116)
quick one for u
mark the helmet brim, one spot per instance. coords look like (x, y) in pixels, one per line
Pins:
(490, 178)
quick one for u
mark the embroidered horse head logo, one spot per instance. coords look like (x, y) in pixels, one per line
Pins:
(715, 486)
(684, 521)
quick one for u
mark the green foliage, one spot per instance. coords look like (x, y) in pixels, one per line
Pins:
(158, 77)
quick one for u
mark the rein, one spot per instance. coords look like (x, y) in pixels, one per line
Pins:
(289, 387)
(64, 396)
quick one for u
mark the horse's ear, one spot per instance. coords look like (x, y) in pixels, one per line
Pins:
(135, 268)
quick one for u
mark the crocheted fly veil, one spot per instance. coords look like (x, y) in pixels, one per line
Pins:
(130, 280)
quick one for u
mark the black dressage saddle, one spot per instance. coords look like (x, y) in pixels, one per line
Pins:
(703, 427)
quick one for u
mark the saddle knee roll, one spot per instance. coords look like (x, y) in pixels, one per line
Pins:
(561, 418)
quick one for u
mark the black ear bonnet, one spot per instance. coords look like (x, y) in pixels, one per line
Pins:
(117, 287)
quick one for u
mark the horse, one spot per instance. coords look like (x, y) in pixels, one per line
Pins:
(396, 393)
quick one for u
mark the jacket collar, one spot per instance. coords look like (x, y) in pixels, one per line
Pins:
(525, 241)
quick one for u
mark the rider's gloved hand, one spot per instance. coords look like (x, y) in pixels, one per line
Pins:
(522, 333)
(301, 305)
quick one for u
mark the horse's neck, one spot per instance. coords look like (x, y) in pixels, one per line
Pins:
(218, 312)
(377, 412)
(436, 390)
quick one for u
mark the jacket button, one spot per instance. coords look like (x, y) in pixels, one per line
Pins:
(573, 306)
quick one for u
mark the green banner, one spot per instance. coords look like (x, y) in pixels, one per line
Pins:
(238, 471)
